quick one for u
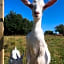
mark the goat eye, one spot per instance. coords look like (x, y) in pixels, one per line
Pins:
(31, 6)
(34, 1)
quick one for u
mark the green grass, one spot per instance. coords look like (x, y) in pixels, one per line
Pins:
(10, 42)
(55, 44)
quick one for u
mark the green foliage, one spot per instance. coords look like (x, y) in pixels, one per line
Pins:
(15, 24)
(48, 32)
(60, 29)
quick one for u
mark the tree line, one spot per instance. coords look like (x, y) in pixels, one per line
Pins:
(15, 24)
(59, 29)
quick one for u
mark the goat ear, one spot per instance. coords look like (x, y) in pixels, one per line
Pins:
(27, 3)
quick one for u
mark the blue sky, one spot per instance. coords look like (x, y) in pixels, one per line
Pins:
(52, 16)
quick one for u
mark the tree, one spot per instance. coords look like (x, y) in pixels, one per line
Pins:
(60, 29)
(14, 24)
(48, 32)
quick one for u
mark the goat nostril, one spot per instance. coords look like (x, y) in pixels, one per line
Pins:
(36, 12)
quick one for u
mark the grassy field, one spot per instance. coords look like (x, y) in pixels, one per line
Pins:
(55, 44)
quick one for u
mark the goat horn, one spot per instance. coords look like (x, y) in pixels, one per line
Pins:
(27, 3)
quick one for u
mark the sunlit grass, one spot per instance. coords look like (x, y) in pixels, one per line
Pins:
(10, 42)
(55, 44)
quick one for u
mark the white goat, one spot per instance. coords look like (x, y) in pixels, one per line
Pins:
(37, 50)
(15, 57)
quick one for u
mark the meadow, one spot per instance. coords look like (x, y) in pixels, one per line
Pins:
(55, 45)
